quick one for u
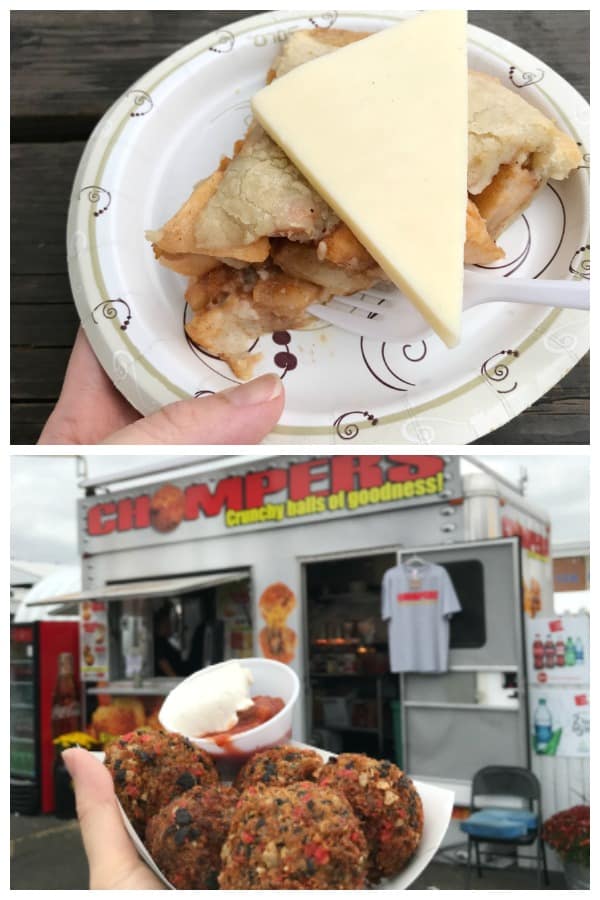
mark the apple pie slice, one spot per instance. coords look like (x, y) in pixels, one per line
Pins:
(259, 244)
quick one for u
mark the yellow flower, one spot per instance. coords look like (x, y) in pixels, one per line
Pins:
(74, 739)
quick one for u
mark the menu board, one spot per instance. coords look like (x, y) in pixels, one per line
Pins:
(93, 641)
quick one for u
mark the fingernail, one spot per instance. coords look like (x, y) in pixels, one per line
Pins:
(260, 390)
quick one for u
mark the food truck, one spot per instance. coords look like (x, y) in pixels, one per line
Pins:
(284, 557)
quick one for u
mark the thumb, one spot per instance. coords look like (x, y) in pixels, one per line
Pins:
(104, 836)
(244, 414)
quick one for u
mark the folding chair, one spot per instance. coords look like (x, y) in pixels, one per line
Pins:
(505, 825)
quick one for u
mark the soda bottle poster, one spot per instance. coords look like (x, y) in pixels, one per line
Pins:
(560, 721)
(558, 650)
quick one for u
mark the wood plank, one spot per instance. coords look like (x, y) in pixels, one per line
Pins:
(75, 64)
(560, 428)
(37, 372)
(41, 178)
(27, 421)
(559, 38)
(40, 289)
(43, 324)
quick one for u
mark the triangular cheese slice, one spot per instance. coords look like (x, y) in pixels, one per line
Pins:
(380, 129)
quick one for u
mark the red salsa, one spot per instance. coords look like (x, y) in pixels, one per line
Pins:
(262, 709)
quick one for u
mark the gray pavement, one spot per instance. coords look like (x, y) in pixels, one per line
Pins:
(46, 853)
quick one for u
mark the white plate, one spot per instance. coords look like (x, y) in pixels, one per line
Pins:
(170, 130)
(437, 809)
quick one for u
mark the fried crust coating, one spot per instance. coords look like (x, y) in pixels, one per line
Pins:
(178, 235)
(298, 837)
(261, 194)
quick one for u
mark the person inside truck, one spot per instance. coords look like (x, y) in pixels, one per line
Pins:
(168, 662)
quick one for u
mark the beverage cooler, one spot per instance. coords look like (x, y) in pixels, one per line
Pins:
(44, 702)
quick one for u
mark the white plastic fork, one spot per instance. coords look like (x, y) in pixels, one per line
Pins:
(387, 315)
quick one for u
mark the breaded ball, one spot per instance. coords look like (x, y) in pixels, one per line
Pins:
(387, 805)
(167, 508)
(278, 767)
(150, 768)
(278, 643)
(185, 838)
(276, 603)
(298, 837)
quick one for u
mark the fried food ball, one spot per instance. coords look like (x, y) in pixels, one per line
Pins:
(150, 768)
(185, 838)
(278, 767)
(167, 508)
(278, 643)
(298, 837)
(276, 603)
(122, 715)
(386, 803)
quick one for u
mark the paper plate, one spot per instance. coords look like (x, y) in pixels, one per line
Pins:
(169, 131)
(437, 809)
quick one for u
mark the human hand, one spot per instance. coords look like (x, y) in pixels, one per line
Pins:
(112, 858)
(90, 410)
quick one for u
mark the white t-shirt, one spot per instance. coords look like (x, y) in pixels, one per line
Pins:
(418, 603)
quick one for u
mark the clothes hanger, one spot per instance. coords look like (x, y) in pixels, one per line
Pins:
(414, 560)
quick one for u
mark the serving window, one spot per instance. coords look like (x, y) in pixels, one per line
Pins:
(468, 628)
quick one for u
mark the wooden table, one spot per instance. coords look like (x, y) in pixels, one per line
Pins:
(67, 69)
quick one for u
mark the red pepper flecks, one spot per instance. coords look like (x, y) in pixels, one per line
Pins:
(317, 852)
(305, 838)
(150, 768)
(246, 837)
(186, 837)
(386, 832)
(278, 766)
(387, 805)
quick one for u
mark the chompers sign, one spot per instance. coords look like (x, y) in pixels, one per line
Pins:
(281, 492)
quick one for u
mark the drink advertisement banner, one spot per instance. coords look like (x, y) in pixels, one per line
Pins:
(560, 721)
(558, 650)
(93, 641)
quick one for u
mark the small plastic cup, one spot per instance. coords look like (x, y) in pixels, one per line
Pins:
(270, 678)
